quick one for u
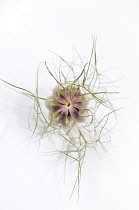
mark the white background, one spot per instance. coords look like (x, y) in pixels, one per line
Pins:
(28, 30)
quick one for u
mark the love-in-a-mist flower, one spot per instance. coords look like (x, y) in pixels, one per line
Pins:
(67, 105)
(77, 85)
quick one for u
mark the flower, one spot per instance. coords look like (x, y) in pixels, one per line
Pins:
(67, 105)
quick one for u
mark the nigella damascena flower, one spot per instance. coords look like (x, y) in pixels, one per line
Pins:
(67, 105)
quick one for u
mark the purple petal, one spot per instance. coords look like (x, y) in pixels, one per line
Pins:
(62, 117)
(59, 97)
(58, 108)
(76, 95)
(80, 105)
(68, 92)
(75, 115)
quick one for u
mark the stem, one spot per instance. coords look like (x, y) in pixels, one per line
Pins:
(81, 134)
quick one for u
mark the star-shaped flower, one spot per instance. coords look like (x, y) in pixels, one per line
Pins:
(67, 105)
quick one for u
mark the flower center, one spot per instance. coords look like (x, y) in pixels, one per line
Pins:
(69, 105)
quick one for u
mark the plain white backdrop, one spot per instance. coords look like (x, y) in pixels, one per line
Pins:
(28, 30)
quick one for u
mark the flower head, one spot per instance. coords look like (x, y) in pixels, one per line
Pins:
(67, 105)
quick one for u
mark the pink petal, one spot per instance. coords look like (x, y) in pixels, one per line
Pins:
(75, 115)
(58, 108)
(80, 105)
(62, 117)
(68, 92)
(76, 95)
(59, 97)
